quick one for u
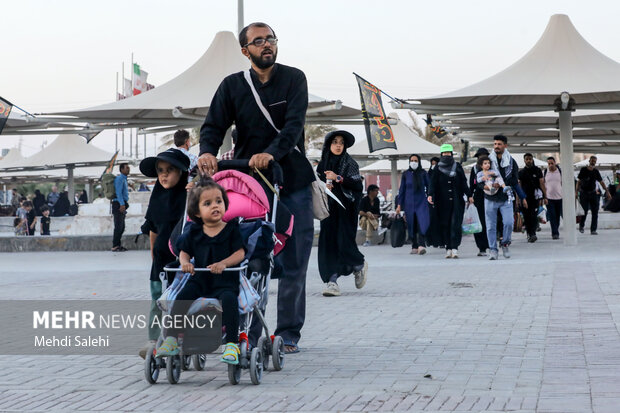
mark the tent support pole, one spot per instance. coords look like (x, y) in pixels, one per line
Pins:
(70, 184)
(568, 184)
(394, 179)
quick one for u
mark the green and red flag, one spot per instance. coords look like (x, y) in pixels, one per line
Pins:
(378, 130)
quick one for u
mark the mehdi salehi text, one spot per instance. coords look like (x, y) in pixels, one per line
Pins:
(72, 341)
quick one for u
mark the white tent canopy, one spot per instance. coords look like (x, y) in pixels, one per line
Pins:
(601, 160)
(384, 166)
(407, 143)
(13, 157)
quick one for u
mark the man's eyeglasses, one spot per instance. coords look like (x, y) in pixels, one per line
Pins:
(261, 42)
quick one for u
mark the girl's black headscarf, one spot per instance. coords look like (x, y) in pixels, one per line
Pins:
(167, 205)
(343, 164)
(417, 174)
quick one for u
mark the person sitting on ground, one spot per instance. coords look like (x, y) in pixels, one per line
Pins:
(489, 176)
(45, 220)
(370, 213)
(216, 245)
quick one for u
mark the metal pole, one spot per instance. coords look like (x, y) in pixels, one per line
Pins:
(240, 24)
(394, 179)
(131, 130)
(145, 145)
(70, 184)
(137, 143)
(568, 180)
(116, 130)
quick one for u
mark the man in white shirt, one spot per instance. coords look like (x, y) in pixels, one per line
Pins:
(182, 142)
(553, 184)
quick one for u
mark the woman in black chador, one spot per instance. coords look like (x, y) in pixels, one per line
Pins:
(338, 252)
(447, 191)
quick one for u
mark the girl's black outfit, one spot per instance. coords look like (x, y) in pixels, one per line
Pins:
(338, 253)
(208, 250)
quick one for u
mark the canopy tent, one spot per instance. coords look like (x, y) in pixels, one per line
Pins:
(518, 157)
(183, 102)
(65, 152)
(13, 157)
(602, 160)
(384, 166)
(561, 73)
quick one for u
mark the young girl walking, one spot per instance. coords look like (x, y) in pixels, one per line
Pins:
(216, 245)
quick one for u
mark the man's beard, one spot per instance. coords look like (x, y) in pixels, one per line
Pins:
(264, 62)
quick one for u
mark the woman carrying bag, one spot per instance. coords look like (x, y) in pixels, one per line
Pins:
(338, 253)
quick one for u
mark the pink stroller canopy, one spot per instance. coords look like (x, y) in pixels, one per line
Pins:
(247, 197)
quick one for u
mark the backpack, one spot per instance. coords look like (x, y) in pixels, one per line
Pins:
(107, 183)
(545, 172)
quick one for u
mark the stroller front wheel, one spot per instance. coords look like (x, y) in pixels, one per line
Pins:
(234, 373)
(256, 365)
(199, 361)
(277, 353)
(173, 369)
(264, 345)
(186, 362)
(151, 366)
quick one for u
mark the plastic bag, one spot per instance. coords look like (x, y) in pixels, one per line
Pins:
(579, 209)
(471, 220)
(542, 214)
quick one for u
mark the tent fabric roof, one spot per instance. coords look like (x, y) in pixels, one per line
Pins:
(602, 160)
(407, 142)
(192, 91)
(561, 60)
(63, 151)
(385, 166)
(13, 157)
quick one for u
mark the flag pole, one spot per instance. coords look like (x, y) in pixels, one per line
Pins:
(394, 99)
(123, 132)
(131, 129)
(116, 129)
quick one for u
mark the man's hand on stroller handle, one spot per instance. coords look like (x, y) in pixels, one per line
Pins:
(260, 160)
(217, 268)
(207, 164)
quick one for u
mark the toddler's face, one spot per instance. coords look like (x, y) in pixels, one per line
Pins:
(46, 213)
(167, 175)
(486, 165)
(211, 205)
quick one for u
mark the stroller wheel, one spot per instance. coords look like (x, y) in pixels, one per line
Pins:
(256, 365)
(234, 373)
(187, 360)
(264, 345)
(277, 353)
(173, 369)
(199, 361)
(151, 366)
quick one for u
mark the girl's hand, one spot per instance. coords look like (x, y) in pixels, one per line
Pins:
(217, 268)
(331, 175)
(398, 209)
(188, 267)
(330, 186)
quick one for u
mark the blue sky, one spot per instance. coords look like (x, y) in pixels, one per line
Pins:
(65, 54)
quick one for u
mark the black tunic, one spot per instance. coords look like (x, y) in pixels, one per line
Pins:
(447, 193)
(208, 250)
(433, 235)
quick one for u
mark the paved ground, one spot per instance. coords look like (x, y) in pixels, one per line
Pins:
(538, 332)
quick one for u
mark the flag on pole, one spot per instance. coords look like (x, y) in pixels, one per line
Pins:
(378, 130)
(89, 135)
(139, 79)
(127, 88)
(5, 109)
(437, 130)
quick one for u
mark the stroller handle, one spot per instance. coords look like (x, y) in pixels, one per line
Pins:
(274, 166)
(170, 269)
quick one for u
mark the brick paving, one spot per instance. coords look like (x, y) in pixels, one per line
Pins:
(536, 333)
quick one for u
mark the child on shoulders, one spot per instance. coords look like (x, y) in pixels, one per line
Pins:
(489, 176)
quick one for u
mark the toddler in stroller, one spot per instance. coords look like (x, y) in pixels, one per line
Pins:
(216, 245)
(218, 238)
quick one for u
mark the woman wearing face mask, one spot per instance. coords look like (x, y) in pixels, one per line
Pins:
(412, 198)
(338, 253)
(447, 190)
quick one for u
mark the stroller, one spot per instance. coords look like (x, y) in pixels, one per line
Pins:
(264, 231)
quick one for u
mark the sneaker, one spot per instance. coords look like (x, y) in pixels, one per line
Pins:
(122, 249)
(555, 237)
(421, 251)
(533, 239)
(506, 251)
(169, 347)
(366, 244)
(593, 233)
(455, 253)
(413, 251)
(482, 254)
(493, 255)
(231, 354)
(581, 230)
(448, 253)
(332, 290)
(146, 347)
(360, 276)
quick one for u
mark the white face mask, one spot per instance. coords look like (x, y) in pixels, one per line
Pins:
(413, 165)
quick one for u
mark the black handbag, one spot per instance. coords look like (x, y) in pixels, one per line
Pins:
(398, 232)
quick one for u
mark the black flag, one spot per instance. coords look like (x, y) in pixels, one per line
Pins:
(378, 130)
(435, 128)
(5, 109)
